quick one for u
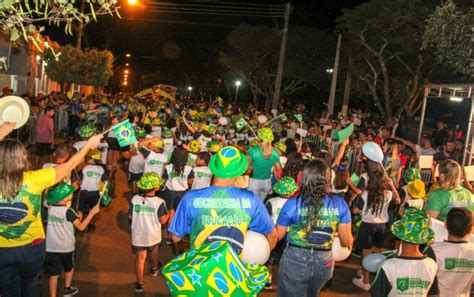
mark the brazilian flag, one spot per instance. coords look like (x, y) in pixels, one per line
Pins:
(125, 133)
(240, 123)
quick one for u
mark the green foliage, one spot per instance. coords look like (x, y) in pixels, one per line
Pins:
(450, 34)
(19, 18)
(71, 65)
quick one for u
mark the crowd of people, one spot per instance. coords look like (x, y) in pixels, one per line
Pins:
(207, 171)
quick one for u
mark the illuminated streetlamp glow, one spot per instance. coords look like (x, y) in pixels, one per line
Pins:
(126, 71)
(128, 55)
(132, 2)
(329, 70)
(127, 64)
(238, 83)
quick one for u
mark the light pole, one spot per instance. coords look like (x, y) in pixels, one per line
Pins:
(237, 85)
(189, 91)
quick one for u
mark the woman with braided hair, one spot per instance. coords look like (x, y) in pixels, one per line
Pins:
(311, 222)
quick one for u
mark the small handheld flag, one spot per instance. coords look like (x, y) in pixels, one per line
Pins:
(125, 133)
(240, 124)
(299, 117)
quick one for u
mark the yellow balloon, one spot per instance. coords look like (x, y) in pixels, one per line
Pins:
(69, 95)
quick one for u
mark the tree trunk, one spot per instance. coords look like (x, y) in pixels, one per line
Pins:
(80, 28)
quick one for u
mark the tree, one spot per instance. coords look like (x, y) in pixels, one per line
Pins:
(449, 34)
(385, 39)
(65, 67)
(20, 18)
(97, 67)
(253, 56)
(72, 65)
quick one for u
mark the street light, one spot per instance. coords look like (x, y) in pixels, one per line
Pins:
(126, 71)
(189, 90)
(237, 85)
(128, 55)
(329, 70)
(132, 2)
(127, 64)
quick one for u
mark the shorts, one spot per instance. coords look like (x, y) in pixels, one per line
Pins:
(176, 197)
(134, 177)
(370, 235)
(144, 248)
(56, 263)
(44, 149)
(87, 200)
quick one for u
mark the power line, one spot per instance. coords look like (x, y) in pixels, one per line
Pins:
(177, 22)
(216, 13)
(220, 3)
(175, 5)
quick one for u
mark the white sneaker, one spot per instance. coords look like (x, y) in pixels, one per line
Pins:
(360, 274)
(360, 283)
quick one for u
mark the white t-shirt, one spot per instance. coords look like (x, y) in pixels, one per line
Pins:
(203, 140)
(156, 131)
(408, 277)
(60, 232)
(155, 162)
(91, 177)
(169, 145)
(455, 268)
(202, 177)
(146, 226)
(137, 164)
(369, 216)
(177, 182)
(274, 205)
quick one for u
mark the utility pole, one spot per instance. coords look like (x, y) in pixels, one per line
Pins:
(347, 88)
(332, 95)
(281, 60)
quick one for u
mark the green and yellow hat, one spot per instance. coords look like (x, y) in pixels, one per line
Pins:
(149, 181)
(411, 174)
(213, 146)
(229, 162)
(167, 133)
(95, 154)
(281, 146)
(158, 143)
(59, 193)
(156, 122)
(266, 134)
(413, 227)
(141, 133)
(86, 131)
(254, 142)
(194, 147)
(285, 186)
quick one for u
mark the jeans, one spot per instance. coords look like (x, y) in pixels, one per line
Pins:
(261, 187)
(19, 269)
(304, 272)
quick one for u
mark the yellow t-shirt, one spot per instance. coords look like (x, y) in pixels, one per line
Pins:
(20, 219)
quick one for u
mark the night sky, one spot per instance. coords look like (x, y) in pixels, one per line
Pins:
(152, 44)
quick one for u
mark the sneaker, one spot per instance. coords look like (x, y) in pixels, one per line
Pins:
(268, 285)
(360, 283)
(139, 288)
(71, 291)
(155, 272)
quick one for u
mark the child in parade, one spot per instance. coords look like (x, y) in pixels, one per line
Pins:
(454, 256)
(92, 175)
(155, 158)
(147, 213)
(202, 173)
(411, 273)
(286, 187)
(60, 238)
(373, 205)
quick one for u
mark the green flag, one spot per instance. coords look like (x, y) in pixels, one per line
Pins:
(125, 133)
(283, 118)
(335, 135)
(345, 133)
(299, 117)
(355, 179)
(240, 124)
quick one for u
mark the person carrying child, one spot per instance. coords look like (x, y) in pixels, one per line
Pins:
(60, 238)
(411, 273)
(147, 213)
(415, 194)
